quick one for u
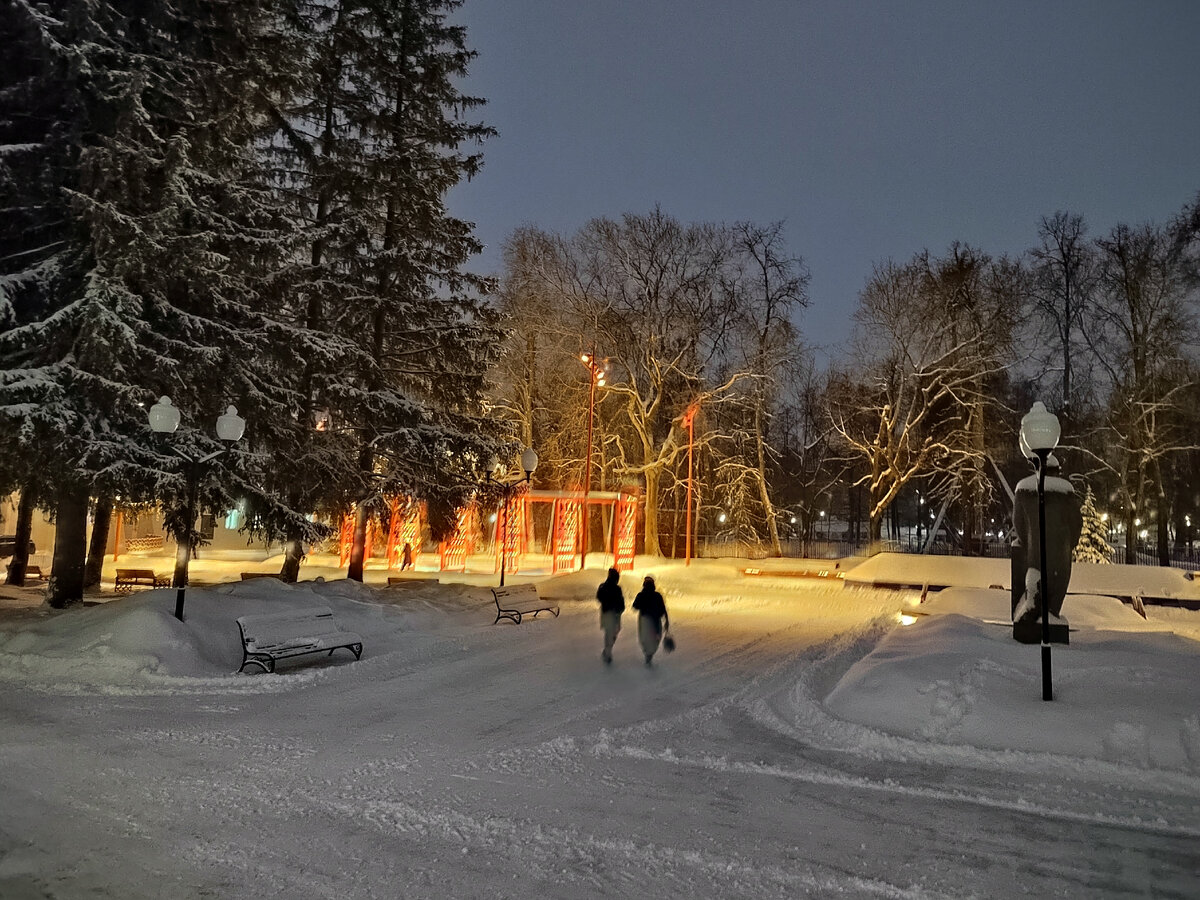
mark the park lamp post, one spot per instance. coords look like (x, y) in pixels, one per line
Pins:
(1040, 432)
(689, 421)
(529, 461)
(599, 369)
(164, 419)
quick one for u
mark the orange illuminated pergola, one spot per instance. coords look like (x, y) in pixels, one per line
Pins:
(565, 539)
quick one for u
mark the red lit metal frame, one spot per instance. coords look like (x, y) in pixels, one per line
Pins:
(565, 533)
(453, 552)
(406, 526)
(346, 539)
(625, 533)
(512, 530)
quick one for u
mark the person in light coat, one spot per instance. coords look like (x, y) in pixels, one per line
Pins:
(653, 620)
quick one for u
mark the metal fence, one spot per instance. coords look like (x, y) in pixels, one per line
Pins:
(1181, 558)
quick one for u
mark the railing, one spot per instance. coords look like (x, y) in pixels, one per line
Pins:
(1181, 558)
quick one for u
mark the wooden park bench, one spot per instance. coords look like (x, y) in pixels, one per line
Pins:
(128, 579)
(35, 572)
(274, 636)
(519, 601)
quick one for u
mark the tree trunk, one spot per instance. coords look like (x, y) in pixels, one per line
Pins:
(651, 542)
(1164, 549)
(94, 569)
(875, 526)
(1131, 537)
(20, 558)
(763, 494)
(70, 549)
(358, 548)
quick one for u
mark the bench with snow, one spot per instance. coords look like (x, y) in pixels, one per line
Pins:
(519, 601)
(274, 636)
(128, 579)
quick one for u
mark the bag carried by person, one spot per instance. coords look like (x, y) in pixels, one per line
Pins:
(668, 642)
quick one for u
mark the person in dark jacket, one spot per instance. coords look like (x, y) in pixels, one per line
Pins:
(612, 604)
(652, 618)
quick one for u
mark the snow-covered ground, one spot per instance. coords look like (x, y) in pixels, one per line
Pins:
(801, 742)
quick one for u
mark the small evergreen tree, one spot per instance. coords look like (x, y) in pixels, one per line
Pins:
(1093, 543)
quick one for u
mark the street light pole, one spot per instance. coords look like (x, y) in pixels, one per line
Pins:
(599, 372)
(1043, 454)
(689, 419)
(164, 419)
(1040, 432)
(529, 461)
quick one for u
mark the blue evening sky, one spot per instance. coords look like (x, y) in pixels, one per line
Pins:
(873, 129)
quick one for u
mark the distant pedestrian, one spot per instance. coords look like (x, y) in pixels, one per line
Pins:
(652, 618)
(612, 604)
(406, 557)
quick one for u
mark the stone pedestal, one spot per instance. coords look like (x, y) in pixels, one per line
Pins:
(1029, 631)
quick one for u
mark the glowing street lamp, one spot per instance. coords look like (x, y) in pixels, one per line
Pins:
(1040, 432)
(689, 421)
(164, 419)
(529, 461)
(600, 369)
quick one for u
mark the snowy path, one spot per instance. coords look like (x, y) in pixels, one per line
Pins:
(480, 761)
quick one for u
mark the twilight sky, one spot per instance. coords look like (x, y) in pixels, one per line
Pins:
(873, 129)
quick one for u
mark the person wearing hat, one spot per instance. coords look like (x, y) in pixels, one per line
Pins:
(652, 618)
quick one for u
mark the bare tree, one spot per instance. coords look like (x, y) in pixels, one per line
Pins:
(1138, 332)
(770, 287)
(1063, 277)
(924, 351)
(660, 300)
(976, 301)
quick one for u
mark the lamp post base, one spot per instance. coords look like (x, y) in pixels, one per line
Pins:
(1047, 680)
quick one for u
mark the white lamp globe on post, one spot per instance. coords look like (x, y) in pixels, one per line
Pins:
(230, 426)
(529, 462)
(1040, 432)
(164, 419)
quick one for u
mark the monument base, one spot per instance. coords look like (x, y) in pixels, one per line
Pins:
(1029, 631)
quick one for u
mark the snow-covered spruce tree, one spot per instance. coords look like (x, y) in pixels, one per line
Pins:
(176, 237)
(39, 112)
(1093, 543)
(407, 342)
